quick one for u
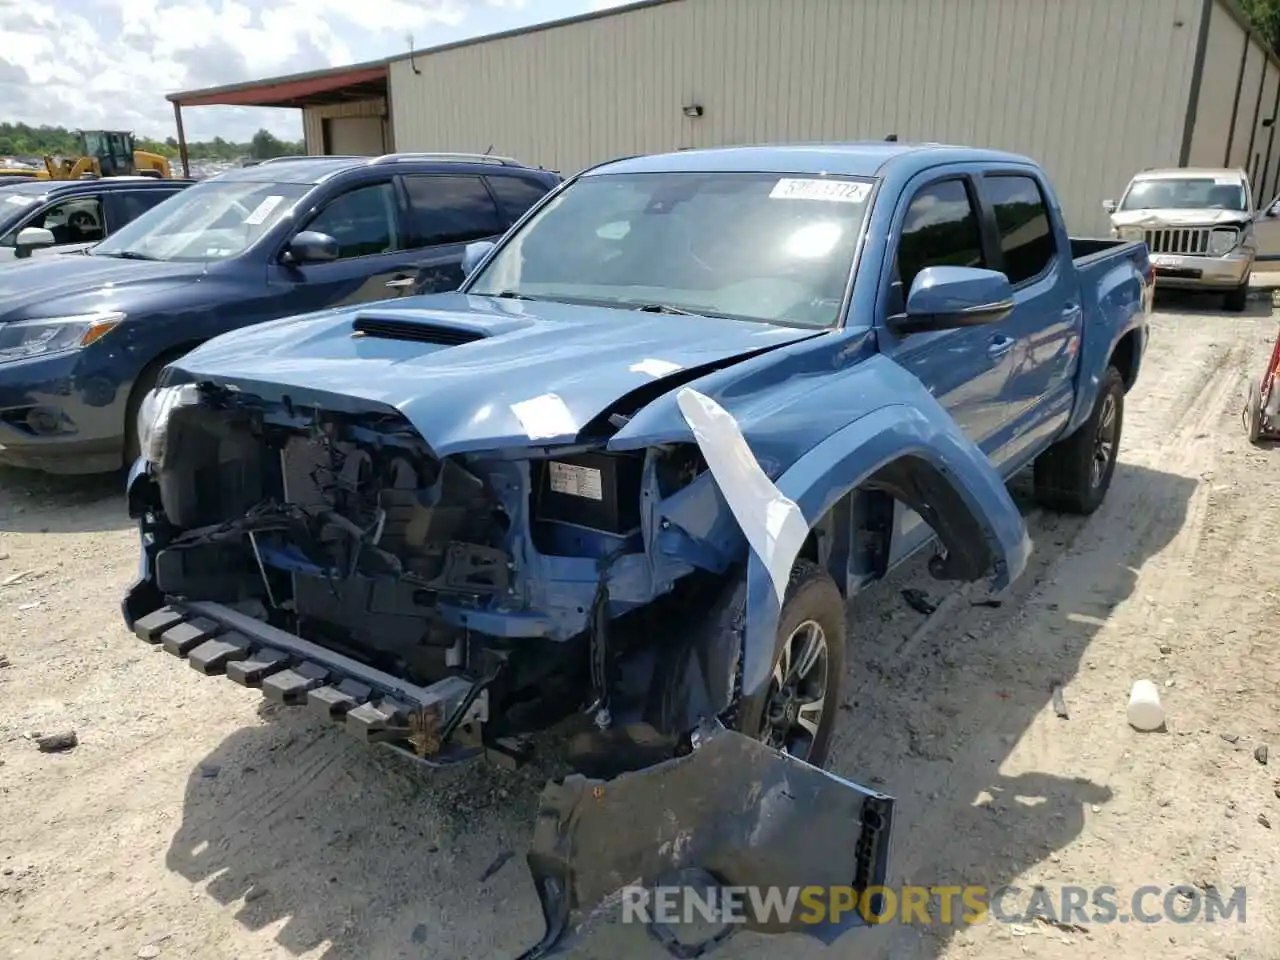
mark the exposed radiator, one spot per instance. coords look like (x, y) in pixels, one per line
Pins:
(1188, 240)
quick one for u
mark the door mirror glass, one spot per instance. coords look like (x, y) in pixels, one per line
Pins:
(945, 298)
(1109, 206)
(474, 253)
(1274, 209)
(310, 246)
(34, 237)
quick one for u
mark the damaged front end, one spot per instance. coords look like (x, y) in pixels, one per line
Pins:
(451, 607)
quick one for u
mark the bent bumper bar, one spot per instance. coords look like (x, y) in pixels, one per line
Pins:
(368, 703)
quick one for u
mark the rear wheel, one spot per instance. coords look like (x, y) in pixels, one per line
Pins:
(1238, 299)
(1073, 475)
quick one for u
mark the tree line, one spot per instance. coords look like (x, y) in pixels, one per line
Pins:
(22, 140)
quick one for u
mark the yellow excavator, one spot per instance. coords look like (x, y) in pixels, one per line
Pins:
(103, 153)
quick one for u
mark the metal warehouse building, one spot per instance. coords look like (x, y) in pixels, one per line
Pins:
(1094, 89)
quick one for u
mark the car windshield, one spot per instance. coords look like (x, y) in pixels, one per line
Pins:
(212, 220)
(1186, 193)
(776, 248)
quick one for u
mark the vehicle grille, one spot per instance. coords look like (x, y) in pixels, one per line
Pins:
(1190, 240)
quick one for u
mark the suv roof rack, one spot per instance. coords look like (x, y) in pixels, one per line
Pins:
(305, 156)
(449, 158)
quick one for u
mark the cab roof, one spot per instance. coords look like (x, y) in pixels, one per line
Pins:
(856, 159)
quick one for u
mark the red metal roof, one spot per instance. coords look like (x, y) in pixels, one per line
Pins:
(289, 91)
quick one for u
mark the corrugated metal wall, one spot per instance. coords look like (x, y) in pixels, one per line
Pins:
(1094, 89)
(1239, 90)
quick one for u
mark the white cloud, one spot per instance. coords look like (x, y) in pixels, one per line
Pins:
(109, 63)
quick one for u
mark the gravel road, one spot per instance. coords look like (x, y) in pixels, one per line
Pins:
(191, 822)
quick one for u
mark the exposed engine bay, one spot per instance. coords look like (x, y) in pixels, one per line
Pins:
(502, 574)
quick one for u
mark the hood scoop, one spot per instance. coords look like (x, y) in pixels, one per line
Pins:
(413, 331)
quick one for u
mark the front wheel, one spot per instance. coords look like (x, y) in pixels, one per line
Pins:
(797, 712)
(1238, 299)
(1073, 475)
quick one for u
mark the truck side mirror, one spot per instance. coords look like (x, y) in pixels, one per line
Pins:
(946, 298)
(1273, 210)
(1109, 206)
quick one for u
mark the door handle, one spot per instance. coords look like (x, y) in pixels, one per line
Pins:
(1000, 346)
(400, 283)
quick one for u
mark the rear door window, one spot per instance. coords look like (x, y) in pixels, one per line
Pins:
(1026, 237)
(451, 209)
(515, 194)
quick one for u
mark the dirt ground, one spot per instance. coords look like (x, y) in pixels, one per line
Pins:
(192, 823)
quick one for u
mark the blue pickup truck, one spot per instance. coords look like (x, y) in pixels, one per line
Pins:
(626, 477)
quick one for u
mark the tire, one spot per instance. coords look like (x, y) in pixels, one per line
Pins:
(1253, 413)
(141, 387)
(1238, 299)
(813, 612)
(1066, 478)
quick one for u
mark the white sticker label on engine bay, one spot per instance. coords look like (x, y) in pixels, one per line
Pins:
(263, 210)
(576, 481)
(655, 368)
(545, 417)
(837, 191)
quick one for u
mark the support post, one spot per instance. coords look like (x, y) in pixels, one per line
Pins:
(182, 140)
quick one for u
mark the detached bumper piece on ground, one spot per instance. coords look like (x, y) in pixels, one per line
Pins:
(731, 812)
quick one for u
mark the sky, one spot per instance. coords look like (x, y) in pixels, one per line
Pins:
(107, 64)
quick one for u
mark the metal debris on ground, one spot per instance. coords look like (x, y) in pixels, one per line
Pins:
(499, 862)
(1059, 701)
(1230, 737)
(919, 601)
(987, 603)
(15, 577)
(55, 742)
(1260, 754)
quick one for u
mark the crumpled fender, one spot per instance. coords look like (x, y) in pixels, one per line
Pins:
(908, 446)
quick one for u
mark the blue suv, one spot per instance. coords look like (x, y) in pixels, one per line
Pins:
(83, 338)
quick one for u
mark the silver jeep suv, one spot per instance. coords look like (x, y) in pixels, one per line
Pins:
(1198, 224)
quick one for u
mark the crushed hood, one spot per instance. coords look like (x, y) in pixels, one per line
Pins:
(1156, 219)
(58, 285)
(528, 371)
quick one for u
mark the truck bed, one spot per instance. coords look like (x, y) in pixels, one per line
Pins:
(1086, 251)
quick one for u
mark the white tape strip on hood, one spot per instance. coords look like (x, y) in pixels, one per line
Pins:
(773, 524)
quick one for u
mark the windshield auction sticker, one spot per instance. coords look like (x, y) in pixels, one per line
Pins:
(263, 210)
(837, 191)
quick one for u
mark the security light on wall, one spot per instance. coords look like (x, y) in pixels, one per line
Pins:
(693, 110)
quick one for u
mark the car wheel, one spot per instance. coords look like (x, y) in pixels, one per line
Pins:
(1253, 413)
(1073, 475)
(1238, 299)
(797, 712)
(141, 387)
